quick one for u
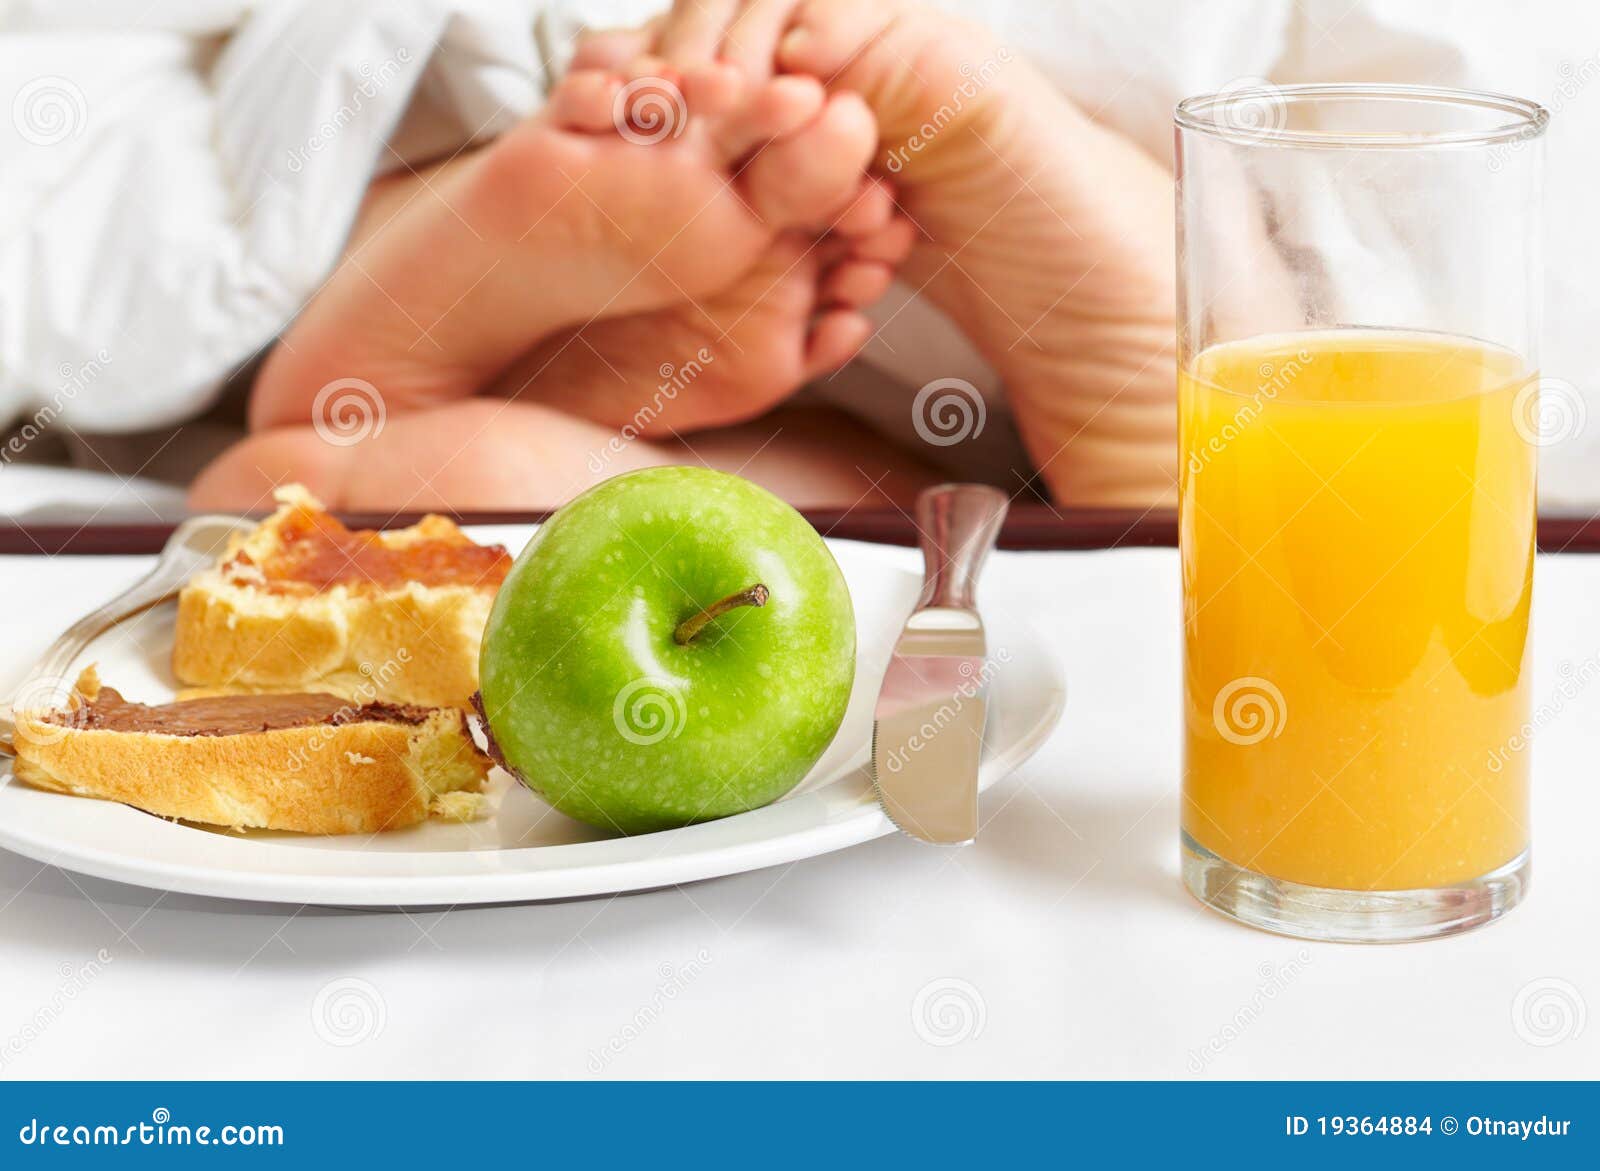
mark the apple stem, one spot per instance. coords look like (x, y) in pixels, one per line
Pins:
(756, 595)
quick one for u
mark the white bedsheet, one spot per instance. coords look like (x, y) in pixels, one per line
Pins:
(176, 181)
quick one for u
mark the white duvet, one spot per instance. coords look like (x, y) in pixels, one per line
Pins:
(176, 179)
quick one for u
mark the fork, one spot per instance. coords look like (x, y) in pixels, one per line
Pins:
(194, 545)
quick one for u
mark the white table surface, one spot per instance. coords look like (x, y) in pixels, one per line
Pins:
(1061, 945)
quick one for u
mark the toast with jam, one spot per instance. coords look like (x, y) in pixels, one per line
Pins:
(304, 604)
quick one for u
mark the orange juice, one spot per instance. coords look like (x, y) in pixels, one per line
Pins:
(1357, 530)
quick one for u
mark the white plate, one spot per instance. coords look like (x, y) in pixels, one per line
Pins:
(525, 850)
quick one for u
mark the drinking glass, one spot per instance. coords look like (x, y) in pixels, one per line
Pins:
(1359, 416)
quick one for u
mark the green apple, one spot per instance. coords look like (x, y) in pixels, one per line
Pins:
(674, 645)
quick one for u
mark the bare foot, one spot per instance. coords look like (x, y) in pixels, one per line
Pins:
(727, 358)
(569, 217)
(1051, 239)
(489, 454)
(796, 315)
(1045, 236)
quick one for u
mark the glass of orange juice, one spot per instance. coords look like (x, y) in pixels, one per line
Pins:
(1358, 415)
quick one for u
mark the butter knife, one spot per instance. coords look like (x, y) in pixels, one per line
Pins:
(927, 731)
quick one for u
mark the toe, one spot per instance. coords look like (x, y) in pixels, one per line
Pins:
(651, 106)
(751, 42)
(831, 249)
(891, 244)
(583, 101)
(810, 176)
(781, 107)
(836, 337)
(869, 212)
(855, 284)
(826, 35)
(612, 48)
(693, 30)
(652, 67)
(714, 90)
(245, 475)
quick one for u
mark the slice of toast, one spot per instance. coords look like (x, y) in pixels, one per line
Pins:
(304, 604)
(312, 763)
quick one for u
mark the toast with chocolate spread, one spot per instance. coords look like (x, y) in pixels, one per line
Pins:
(309, 762)
(303, 603)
